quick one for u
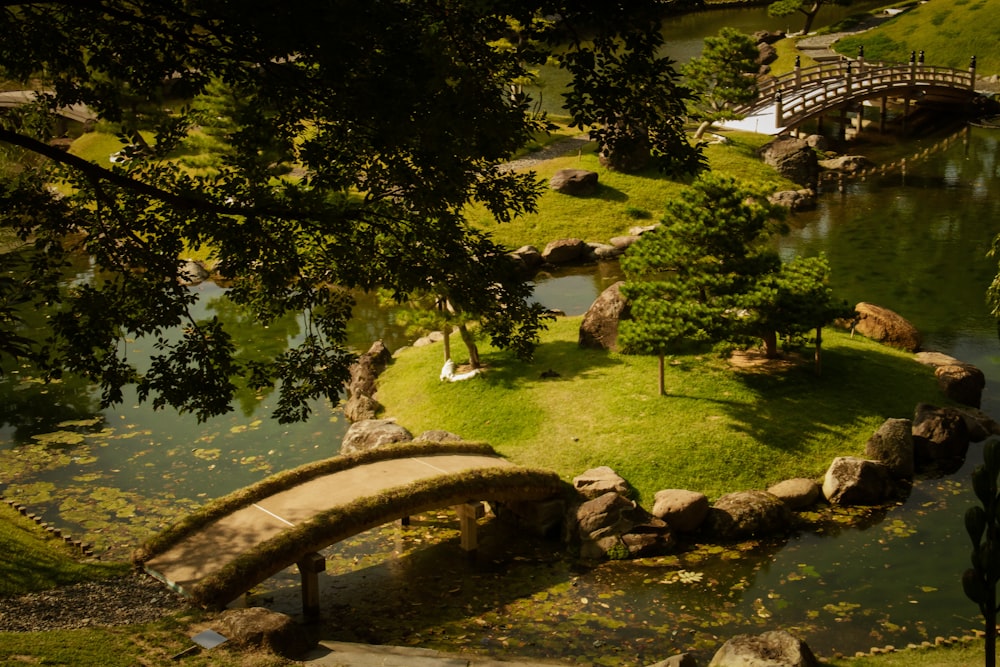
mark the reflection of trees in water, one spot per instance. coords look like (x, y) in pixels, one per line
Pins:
(31, 406)
(253, 343)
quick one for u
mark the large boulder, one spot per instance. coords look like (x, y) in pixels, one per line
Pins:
(679, 660)
(962, 383)
(598, 251)
(940, 437)
(847, 164)
(613, 526)
(380, 355)
(746, 514)
(885, 326)
(438, 435)
(528, 258)
(371, 434)
(892, 446)
(564, 251)
(775, 648)
(766, 54)
(599, 329)
(577, 182)
(793, 158)
(599, 481)
(256, 628)
(794, 200)
(363, 376)
(855, 481)
(683, 510)
(360, 407)
(797, 493)
(192, 272)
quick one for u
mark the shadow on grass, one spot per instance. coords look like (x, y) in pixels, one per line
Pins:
(795, 405)
(556, 361)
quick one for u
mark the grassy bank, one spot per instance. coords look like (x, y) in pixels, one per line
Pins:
(718, 429)
(947, 33)
(30, 560)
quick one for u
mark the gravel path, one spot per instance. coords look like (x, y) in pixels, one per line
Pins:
(129, 600)
(553, 150)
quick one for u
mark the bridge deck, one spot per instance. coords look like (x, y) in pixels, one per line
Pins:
(210, 549)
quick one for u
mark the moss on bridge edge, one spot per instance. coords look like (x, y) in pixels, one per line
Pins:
(273, 555)
(228, 504)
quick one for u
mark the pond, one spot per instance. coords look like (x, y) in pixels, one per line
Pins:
(915, 242)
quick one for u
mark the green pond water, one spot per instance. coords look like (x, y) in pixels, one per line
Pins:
(914, 242)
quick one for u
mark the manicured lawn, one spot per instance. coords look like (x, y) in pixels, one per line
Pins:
(947, 33)
(718, 429)
(622, 200)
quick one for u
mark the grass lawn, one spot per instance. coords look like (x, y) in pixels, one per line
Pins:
(948, 33)
(718, 429)
(30, 560)
(622, 200)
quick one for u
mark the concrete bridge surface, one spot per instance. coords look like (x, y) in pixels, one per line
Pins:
(228, 556)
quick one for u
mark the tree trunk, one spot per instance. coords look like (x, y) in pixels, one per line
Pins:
(770, 344)
(663, 391)
(470, 343)
(811, 15)
(446, 330)
(702, 129)
(818, 352)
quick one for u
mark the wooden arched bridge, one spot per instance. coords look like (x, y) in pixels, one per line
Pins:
(242, 539)
(786, 101)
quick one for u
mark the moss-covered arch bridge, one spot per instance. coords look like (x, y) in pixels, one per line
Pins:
(238, 541)
(843, 86)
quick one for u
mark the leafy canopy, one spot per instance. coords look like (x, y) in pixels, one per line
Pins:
(354, 136)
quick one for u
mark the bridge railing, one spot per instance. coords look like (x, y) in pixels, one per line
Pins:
(811, 76)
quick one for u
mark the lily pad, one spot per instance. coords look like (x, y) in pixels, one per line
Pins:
(60, 438)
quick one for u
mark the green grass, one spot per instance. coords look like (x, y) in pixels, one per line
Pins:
(622, 200)
(125, 646)
(961, 654)
(717, 430)
(30, 560)
(949, 33)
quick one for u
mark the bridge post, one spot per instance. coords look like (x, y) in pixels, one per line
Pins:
(972, 73)
(309, 568)
(798, 72)
(468, 513)
(779, 111)
(913, 67)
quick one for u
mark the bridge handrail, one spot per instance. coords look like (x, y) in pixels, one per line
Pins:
(858, 74)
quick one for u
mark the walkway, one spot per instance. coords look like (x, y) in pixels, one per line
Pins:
(218, 562)
(77, 112)
(341, 654)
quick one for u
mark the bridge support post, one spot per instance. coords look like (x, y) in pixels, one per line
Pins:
(309, 568)
(468, 515)
(882, 108)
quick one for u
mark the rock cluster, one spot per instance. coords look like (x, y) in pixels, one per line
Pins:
(361, 387)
